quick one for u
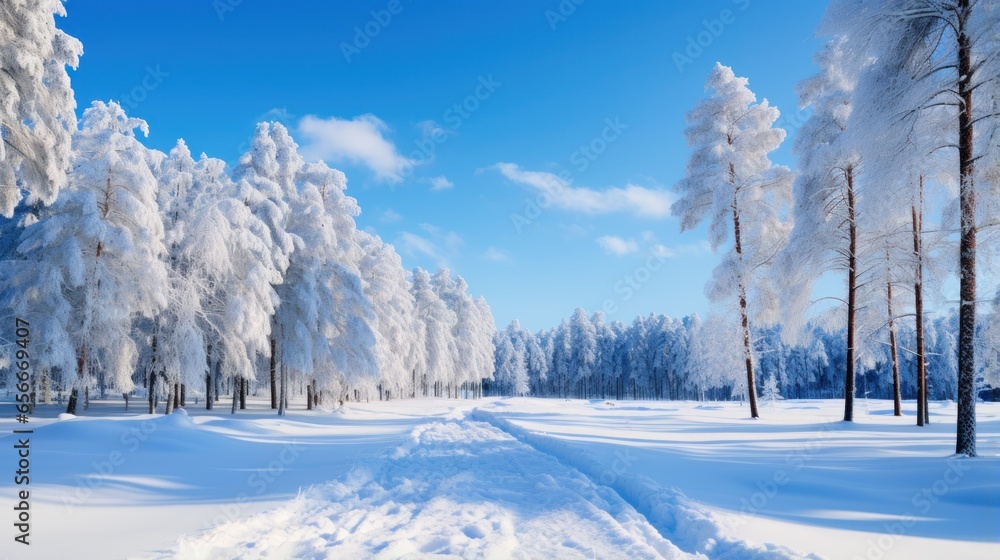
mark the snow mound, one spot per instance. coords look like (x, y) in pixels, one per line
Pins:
(453, 489)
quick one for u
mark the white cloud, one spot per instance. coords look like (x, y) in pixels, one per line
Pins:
(390, 216)
(431, 129)
(614, 245)
(440, 183)
(496, 255)
(436, 243)
(662, 251)
(632, 199)
(359, 140)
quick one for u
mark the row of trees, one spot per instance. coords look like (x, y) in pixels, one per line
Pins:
(135, 267)
(158, 270)
(905, 112)
(657, 357)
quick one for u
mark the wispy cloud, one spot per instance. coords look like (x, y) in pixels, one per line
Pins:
(614, 245)
(390, 216)
(434, 242)
(496, 255)
(440, 183)
(632, 199)
(360, 140)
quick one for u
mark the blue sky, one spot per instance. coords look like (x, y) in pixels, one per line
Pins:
(449, 116)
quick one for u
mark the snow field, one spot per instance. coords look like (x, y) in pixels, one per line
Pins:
(511, 478)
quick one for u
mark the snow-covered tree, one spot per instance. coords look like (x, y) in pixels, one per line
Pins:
(770, 392)
(511, 360)
(399, 341)
(826, 233)
(583, 355)
(37, 117)
(225, 253)
(265, 185)
(325, 321)
(925, 55)
(95, 256)
(732, 182)
(437, 323)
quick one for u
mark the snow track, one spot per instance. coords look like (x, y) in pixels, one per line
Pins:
(460, 488)
(674, 515)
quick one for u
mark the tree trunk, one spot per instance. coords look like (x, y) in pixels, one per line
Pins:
(183, 394)
(965, 440)
(274, 377)
(744, 318)
(897, 405)
(243, 393)
(236, 396)
(918, 296)
(852, 300)
(171, 398)
(309, 396)
(208, 379)
(151, 389)
(81, 361)
(283, 391)
(208, 391)
(177, 395)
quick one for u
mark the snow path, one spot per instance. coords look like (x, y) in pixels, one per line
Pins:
(674, 515)
(458, 488)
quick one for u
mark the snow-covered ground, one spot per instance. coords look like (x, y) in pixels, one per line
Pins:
(507, 478)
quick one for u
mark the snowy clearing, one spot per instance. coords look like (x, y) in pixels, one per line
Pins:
(513, 478)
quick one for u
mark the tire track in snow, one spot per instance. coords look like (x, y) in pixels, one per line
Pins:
(456, 488)
(676, 517)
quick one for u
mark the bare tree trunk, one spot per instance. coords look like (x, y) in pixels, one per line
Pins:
(183, 394)
(81, 360)
(897, 405)
(208, 379)
(918, 296)
(243, 393)
(151, 390)
(283, 396)
(744, 317)
(236, 396)
(283, 391)
(309, 396)
(208, 391)
(965, 441)
(274, 378)
(852, 299)
(171, 398)
(177, 395)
